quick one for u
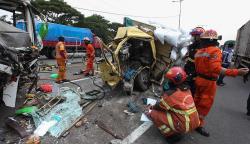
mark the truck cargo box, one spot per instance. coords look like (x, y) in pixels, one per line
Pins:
(70, 33)
(242, 46)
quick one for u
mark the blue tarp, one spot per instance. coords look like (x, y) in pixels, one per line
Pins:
(71, 34)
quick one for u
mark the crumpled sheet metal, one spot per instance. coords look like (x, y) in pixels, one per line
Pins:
(69, 111)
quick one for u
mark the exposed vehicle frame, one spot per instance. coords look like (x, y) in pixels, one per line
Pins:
(19, 51)
(137, 59)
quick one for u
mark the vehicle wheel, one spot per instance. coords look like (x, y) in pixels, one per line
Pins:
(142, 80)
(46, 52)
(53, 53)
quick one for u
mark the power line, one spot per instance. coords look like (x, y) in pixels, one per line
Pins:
(120, 14)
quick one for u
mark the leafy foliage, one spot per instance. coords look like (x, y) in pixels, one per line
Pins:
(100, 26)
(58, 11)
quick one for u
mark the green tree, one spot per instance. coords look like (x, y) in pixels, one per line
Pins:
(100, 26)
(58, 11)
(113, 27)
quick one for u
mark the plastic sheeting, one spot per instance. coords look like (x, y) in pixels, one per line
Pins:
(176, 38)
(69, 111)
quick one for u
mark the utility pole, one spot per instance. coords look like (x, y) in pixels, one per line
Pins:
(179, 1)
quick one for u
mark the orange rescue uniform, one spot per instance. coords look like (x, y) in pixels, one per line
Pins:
(176, 113)
(90, 58)
(61, 56)
(208, 67)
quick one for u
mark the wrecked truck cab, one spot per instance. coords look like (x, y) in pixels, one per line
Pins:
(134, 60)
(19, 48)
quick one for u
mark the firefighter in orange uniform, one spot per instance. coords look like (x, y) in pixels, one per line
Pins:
(90, 51)
(61, 57)
(208, 61)
(176, 112)
(190, 66)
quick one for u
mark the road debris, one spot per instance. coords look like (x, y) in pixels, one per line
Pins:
(133, 107)
(14, 124)
(128, 113)
(33, 139)
(26, 110)
(131, 138)
(69, 110)
(81, 117)
(50, 105)
(107, 129)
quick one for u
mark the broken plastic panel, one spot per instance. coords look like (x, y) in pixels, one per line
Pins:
(184, 51)
(69, 111)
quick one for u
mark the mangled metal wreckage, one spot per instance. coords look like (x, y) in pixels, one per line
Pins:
(138, 59)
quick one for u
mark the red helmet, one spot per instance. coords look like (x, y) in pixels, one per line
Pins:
(177, 75)
(197, 31)
(209, 34)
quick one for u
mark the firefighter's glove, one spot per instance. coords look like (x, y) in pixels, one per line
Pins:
(243, 71)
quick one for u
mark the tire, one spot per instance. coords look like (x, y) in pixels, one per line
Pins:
(45, 51)
(52, 53)
(142, 80)
(98, 52)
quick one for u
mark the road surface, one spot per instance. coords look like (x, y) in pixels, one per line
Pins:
(227, 122)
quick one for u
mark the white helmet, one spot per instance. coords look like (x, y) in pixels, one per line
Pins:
(86, 39)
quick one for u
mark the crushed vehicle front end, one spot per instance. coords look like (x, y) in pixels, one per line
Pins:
(141, 54)
(134, 60)
(19, 50)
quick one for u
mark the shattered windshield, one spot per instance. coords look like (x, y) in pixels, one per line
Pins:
(9, 34)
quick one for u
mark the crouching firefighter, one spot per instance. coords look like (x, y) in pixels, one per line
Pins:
(90, 51)
(176, 113)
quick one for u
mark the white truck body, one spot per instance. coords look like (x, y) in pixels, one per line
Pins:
(242, 46)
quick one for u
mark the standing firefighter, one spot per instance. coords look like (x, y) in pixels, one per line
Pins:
(190, 66)
(90, 51)
(175, 113)
(61, 57)
(208, 62)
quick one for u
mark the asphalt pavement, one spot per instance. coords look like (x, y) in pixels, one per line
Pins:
(226, 122)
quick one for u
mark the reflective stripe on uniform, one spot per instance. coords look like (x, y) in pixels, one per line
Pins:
(170, 121)
(205, 54)
(164, 129)
(202, 55)
(191, 60)
(187, 122)
(182, 112)
(167, 130)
